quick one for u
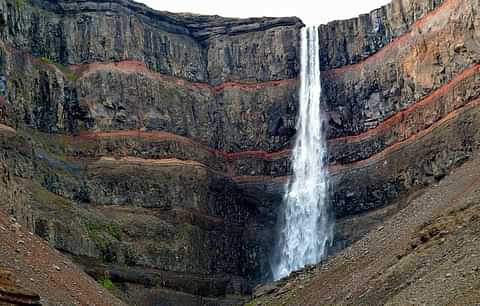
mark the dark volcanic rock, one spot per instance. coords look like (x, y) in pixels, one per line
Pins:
(156, 66)
(124, 121)
(186, 46)
(154, 147)
(347, 42)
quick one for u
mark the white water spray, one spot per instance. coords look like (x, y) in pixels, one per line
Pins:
(307, 229)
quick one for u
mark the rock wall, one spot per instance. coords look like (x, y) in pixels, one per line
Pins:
(383, 94)
(154, 147)
(12, 294)
(120, 126)
(411, 88)
(98, 50)
(349, 42)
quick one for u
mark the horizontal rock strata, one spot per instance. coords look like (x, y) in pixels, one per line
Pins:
(120, 122)
(163, 140)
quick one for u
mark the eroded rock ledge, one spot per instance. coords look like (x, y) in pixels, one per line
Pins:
(12, 294)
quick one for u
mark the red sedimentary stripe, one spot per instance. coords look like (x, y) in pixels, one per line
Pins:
(261, 179)
(413, 137)
(158, 135)
(154, 135)
(260, 154)
(403, 40)
(133, 66)
(399, 117)
(229, 158)
(253, 86)
(337, 169)
(396, 120)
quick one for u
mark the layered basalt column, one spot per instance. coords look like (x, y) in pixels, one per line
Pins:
(127, 123)
(400, 86)
(154, 144)
(401, 110)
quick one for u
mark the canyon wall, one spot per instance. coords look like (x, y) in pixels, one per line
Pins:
(392, 81)
(120, 126)
(154, 147)
(391, 109)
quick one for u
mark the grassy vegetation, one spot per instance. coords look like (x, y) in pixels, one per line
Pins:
(286, 299)
(19, 4)
(101, 232)
(111, 229)
(65, 70)
(106, 283)
(184, 232)
(45, 197)
(61, 146)
(53, 144)
(46, 60)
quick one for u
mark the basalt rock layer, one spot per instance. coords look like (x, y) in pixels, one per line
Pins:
(154, 147)
(392, 96)
(118, 129)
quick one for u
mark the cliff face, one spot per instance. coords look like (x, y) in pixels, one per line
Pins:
(120, 127)
(393, 99)
(405, 115)
(12, 294)
(154, 147)
(401, 105)
(198, 65)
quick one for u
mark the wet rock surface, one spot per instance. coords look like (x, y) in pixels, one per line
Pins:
(426, 253)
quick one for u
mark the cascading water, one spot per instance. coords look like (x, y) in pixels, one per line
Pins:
(307, 229)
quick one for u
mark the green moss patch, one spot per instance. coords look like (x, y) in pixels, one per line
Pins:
(106, 283)
(102, 234)
(69, 74)
(45, 197)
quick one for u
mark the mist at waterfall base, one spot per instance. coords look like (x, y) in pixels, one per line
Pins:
(306, 225)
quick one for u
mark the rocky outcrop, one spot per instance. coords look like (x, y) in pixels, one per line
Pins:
(32, 273)
(438, 49)
(201, 74)
(11, 294)
(403, 97)
(408, 259)
(184, 46)
(395, 98)
(348, 42)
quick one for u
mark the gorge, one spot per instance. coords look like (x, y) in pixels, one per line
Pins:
(150, 150)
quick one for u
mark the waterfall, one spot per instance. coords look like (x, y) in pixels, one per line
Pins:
(306, 226)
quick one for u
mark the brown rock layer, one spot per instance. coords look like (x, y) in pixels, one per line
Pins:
(348, 42)
(154, 147)
(437, 49)
(11, 294)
